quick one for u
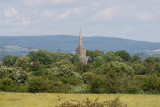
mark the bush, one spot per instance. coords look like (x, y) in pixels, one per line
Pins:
(5, 71)
(9, 60)
(8, 85)
(16, 74)
(36, 84)
(71, 80)
(118, 67)
(19, 76)
(80, 89)
(88, 103)
(22, 62)
(56, 86)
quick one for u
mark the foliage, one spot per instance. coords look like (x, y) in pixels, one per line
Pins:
(9, 60)
(94, 53)
(124, 55)
(88, 103)
(8, 85)
(19, 76)
(112, 72)
(22, 62)
(36, 85)
(118, 67)
(42, 56)
(111, 56)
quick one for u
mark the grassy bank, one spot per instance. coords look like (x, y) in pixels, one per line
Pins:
(50, 100)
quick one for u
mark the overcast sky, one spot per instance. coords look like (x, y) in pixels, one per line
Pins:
(130, 19)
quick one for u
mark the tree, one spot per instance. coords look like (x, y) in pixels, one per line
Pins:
(150, 64)
(118, 67)
(94, 53)
(76, 60)
(19, 76)
(62, 70)
(135, 59)
(88, 77)
(8, 85)
(111, 56)
(98, 61)
(9, 60)
(43, 57)
(36, 84)
(23, 62)
(6, 71)
(152, 83)
(124, 55)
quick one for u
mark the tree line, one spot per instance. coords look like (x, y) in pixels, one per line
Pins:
(54, 72)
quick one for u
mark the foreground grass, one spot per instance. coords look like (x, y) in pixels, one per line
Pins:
(51, 100)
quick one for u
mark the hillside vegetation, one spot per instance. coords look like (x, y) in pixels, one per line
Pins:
(53, 72)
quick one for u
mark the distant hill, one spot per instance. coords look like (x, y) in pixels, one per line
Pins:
(67, 43)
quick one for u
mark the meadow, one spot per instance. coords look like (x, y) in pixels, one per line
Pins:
(53, 99)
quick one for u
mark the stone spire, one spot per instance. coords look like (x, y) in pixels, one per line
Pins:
(80, 51)
(80, 41)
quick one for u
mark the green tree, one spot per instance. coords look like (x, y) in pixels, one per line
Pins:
(8, 85)
(135, 59)
(43, 57)
(152, 83)
(98, 61)
(62, 70)
(19, 76)
(124, 55)
(36, 84)
(111, 56)
(22, 62)
(9, 60)
(94, 53)
(150, 64)
(87, 77)
(118, 67)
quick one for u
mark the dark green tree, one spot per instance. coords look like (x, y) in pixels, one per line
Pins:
(124, 55)
(9, 60)
(111, 56)
(36, 84)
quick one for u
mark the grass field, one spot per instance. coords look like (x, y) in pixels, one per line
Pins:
(51, 100)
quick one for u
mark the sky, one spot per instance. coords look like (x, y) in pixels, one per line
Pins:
(129, 19)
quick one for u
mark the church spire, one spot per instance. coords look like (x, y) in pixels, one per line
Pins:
(80, 41)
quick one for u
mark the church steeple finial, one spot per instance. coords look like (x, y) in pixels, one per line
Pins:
(80, 46)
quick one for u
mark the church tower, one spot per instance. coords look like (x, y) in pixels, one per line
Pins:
(80, 51)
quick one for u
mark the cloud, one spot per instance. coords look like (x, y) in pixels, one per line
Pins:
(8, 20)
(24, 21)
(33, 2)
(64, 13)
(40, 2)
(106, 14)
(145, 16)
(10, 12)
(48, 13)
(61, 1)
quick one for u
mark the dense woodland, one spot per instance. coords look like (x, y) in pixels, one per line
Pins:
(53, 72)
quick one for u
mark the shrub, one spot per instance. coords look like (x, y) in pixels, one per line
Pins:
(88, 103)
(80, 89)
(36, 84)
(22, 62)
(118, 67)
(19, 76)
(9, 60)
(8, 85)
(5, 71)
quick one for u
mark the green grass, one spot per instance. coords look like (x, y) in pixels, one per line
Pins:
(52, 99)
